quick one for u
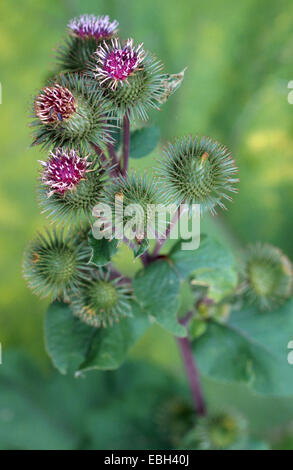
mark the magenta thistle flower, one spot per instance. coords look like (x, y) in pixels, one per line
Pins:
(55, 103)
(98, 27)
(63, 171)
(117, 63)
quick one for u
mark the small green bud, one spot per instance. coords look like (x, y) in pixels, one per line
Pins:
(207, 309)
(101, 301)
(54, 265)
(267, 276)
(218, 431)
(134, 191)
(198, 171)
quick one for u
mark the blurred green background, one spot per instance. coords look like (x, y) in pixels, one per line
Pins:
(240, 60)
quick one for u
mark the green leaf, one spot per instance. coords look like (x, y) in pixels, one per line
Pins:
(212, 264)
(144, 141)
(67, 338)
(197, 328)
(251, 348)
(74, 346)
(110, 346)
(186, 299)
(102, 250)
(157, 290)
(140, 248)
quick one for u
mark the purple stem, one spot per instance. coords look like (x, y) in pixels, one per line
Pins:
(184, 343)
(126, 143)
(99, 152)
(116, 170)
(192, 375)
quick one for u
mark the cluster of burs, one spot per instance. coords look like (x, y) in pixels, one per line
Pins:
(103, 88)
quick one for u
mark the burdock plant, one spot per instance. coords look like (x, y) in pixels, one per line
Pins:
(89, 121)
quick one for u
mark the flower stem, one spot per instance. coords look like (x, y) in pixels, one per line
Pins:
(161, 241)
(99, 152)
(192, 375)
(126, 143)
(116, 169)
(112, 154)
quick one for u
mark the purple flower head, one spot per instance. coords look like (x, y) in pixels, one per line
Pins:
(98, 27)
(54, 104)
(63, 170)
(117, 63)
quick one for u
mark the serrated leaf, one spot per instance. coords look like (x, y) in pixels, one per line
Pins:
(251, 348)
(75, 347)
(102, 250)
(212, 264)
(157, 290)
(110, 346)
(144, 141)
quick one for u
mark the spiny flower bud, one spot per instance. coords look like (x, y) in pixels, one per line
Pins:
(86, 33)
(55, 103)
(115, 63)
(98, 27)
(70, 187)
(54, 265)
(218, 431)
(130, 78)
(71, 114)
(141, 194)
(268, 276)
(100, 301)
(174, 417)
(63, 171)
(198, 171)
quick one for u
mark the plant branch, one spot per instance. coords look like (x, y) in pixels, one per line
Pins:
(172, 224)
(114, 274)
(99, 152)
(114, 158)
(115, 167)
(126, 143)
